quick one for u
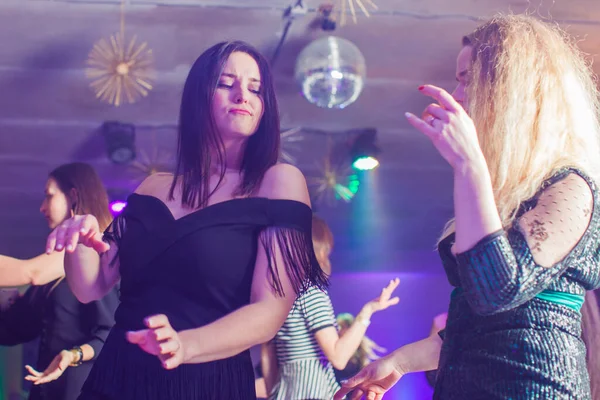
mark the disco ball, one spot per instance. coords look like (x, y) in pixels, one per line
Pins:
(331, 72)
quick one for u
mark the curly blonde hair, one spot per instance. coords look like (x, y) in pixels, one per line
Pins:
(534, 102)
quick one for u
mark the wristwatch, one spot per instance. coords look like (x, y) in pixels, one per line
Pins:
(77, 356)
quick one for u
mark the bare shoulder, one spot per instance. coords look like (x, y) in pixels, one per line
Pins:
(284, 181)
(156, 185)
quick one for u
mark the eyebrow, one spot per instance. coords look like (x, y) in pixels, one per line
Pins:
(235, 77)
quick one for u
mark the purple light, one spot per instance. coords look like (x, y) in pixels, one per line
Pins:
(116, 207)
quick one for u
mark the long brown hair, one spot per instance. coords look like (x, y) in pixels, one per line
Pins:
(91, 197)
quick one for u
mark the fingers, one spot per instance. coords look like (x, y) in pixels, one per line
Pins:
(347, 387)
(78, 229)
(444, 98)
(172, 361)
(157, 321)
(98, 244)
(137, 337)
(164, 333)
(51, 242)
(341, 393)
(421, 125)
(72, 238)
(87, 227)
(393, 285)
(436, 111)
(33, 374)
(50, 377)
(160, 340)
(169, 346)
(387, 291)
(60, 233)
(357, 395)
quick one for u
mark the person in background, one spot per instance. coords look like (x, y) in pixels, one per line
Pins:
(71, 333)
(298, 364)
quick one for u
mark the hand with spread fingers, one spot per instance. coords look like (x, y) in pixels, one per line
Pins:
(372, 382)
(160, 339)
(79, 229)
(384, 300)
(57, 367)
(449, 127)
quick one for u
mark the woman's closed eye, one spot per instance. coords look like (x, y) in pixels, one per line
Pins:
(229, 87)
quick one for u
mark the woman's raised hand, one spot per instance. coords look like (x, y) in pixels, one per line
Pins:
(79, 229)
(449, 128)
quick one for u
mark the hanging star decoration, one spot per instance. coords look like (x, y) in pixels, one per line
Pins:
(334, 183)
(120, 70)
(351, 5)
(289, 143)
(152, 161)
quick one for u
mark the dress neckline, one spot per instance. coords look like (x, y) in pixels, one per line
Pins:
(214, 206)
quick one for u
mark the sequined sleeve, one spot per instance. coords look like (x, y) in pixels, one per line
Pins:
(508, 268)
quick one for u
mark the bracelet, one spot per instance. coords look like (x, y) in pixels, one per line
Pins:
(364, 322)
(78, 356)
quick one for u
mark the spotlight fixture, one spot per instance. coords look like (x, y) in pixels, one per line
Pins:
(327, 22)
(118, 200)
(364, 151)
(120, 141)
(117, 207)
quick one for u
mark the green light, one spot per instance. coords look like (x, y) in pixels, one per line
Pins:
(365, 163)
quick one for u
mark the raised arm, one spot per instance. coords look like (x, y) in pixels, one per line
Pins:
(499, 269)
(270, 302)
(34, 271)
(340, 349)
(91, 265)
(91, 256)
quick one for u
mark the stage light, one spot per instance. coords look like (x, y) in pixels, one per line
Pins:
(117, 207)
(120, 141)
(365, 163)
(364, 151)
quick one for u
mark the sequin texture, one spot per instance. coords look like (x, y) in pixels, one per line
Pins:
(501, 341)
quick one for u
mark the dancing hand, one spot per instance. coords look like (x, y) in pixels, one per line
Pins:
(372, 381)
(450, 129)
(82, 229)
(160, 339)
(384, 300)
(56, 368)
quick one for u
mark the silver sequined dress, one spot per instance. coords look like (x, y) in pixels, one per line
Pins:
(502, 341)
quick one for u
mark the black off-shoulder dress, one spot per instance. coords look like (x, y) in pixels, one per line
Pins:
(195, 270)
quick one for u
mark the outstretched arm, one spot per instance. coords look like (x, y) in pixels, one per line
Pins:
(381, 375)
(339, 349)
(34, 271)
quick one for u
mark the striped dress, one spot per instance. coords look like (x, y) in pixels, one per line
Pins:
(304, 371)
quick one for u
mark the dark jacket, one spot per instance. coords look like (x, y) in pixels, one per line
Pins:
(53, 313)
